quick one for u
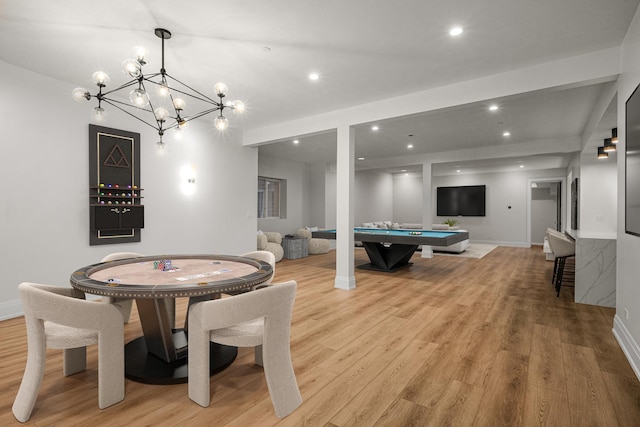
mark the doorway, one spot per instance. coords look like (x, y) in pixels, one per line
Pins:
(545, 208)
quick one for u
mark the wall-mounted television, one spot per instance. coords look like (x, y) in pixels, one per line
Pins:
(632, 169)
(468, 200)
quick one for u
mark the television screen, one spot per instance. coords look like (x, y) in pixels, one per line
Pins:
(632, 156)
(461, 201)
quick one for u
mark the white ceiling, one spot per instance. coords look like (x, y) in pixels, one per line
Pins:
(363, 50)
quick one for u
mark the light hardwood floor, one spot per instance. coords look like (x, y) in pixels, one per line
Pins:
(448, 341)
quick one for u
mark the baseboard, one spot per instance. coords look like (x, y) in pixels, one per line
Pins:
(10, 309)
(628, 344)
(501, 243)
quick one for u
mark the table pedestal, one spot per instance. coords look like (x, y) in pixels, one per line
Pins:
(388, 258)
(144, 367)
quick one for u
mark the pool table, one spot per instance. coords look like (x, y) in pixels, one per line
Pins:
(391, 250)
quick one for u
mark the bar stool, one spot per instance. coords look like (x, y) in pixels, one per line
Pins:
(556, 259)
(562, 247)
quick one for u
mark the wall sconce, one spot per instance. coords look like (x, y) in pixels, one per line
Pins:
(188, 179)
(602, 154)
(609, 146)
(614, 135)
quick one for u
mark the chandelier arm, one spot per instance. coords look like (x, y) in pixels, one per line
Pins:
(123, 86)
(115, 101)
(202, 97)
(151, 76)
(190, 95)
(114, 104)
(206, 98)
(203, 113)
(158, 121)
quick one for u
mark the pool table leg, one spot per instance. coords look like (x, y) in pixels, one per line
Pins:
(388, 258)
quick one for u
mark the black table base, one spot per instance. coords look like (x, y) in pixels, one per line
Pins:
(142, 366)
(388, 258)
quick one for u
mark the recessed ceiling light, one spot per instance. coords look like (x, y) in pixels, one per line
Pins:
(409, 145)
(493, 107)
(360, 158)
(314, 76)
(506, 133)
(295, 141)
(458, 170)
(455, 31)
(521, 166)
(374, 127)
(403, 170)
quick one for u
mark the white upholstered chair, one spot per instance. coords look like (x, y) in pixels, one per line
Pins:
(260, 319)
(264, 256)
(316, 246)
(61, 318)
(271, 241)
(562, 247)
(556, 260)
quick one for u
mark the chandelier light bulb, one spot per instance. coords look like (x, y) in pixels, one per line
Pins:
(162, 90)
(100, 78)
(132, 67)
(141, 55)
(182, 124)
(179, 104)
(239, 106)
(161, 114)
(138, 97)
(221, 122)
(80, 95)
(221, 89)
(99, 114)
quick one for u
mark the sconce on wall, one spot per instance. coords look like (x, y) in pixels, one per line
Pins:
(602, 154)
(614, 135)
(609, 146)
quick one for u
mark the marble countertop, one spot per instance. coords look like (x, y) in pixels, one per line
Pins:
(582, 234)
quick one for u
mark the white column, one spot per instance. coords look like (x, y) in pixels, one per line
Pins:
(427, 206)
(345, 278)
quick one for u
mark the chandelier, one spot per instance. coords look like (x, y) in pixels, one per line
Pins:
(167, 110)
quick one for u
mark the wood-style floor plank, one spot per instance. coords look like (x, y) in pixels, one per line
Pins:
(448, 341)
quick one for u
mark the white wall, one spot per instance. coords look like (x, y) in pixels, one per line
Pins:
(505, 222)
(373, 197)
(297, 176)
(407, 198)
(331, 194)
(598, 188)
(317, 195)
(44, 208)
(627, 328)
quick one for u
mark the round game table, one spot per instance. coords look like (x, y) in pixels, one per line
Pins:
(160, 355)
